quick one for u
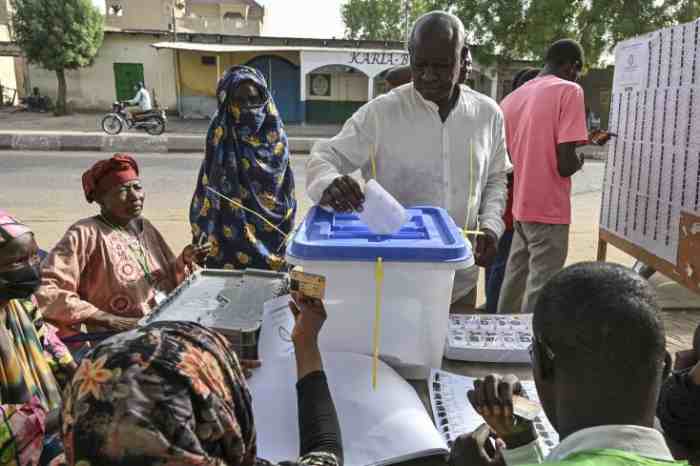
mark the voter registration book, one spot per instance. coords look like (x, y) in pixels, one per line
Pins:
(454, 414)
(501, 338)
(381, 426)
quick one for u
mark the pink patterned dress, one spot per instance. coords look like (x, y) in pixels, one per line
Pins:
(97, 267)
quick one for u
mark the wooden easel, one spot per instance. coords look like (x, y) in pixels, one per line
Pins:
(687, 272)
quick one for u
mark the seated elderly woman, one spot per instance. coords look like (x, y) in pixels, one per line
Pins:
(174, 393)
(33, 361)
(246, 161)
(110, 270)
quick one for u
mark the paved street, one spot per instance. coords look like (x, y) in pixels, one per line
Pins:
(90, 123)
(44, 189)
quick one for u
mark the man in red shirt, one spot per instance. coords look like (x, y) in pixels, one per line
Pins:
(545, 120)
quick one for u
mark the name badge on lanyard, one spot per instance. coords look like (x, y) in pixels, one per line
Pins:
(160, 297)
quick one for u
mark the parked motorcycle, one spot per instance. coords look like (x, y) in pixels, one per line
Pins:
(152, 122)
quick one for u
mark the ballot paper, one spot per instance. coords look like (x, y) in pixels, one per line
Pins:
(454, 415)
(381, 212)
(379, 427)
(503, 338)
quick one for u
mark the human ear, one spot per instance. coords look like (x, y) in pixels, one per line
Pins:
(543, 363)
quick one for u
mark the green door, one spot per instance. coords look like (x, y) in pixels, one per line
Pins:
(126, 76)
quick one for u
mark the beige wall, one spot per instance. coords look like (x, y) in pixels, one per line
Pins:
(94, 88)
(211, 10)
(344, 87)
(142, 14)
(204, 18)
(4, 8)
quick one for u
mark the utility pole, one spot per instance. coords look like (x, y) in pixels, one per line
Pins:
(176, 64)
(407, 10)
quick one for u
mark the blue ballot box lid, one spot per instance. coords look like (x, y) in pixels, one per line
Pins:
(430, 235)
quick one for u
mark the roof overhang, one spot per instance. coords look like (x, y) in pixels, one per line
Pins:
(224, 48)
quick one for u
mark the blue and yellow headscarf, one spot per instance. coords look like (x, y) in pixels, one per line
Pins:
(247, 160)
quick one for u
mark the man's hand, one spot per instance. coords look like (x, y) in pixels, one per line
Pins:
(476, 449)
(343, 195)
(486, 248)
(195, 254)
(493, 399)
(600, 137)
(248, 365)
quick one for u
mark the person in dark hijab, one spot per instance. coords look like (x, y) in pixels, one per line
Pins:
(244, 202)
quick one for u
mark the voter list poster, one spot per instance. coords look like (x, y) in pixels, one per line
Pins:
(652, 171)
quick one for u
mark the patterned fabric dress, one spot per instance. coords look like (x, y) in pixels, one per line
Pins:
(247, 160)
(93, 267)
(171, 393)
(32, 363)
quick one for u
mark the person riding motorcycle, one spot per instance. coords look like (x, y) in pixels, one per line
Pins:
(142, 100)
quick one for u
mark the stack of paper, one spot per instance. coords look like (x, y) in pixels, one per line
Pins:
(503, 338)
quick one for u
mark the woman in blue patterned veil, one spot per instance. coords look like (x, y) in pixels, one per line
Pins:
(247, 161)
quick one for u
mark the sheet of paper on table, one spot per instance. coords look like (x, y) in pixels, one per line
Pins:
(379, 427)
(455, 416)
(505, 338)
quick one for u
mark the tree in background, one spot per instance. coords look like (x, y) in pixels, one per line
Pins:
(379, 19)
(58, 35)
(524, 28)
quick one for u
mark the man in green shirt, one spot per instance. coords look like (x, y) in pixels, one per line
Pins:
(598, 357)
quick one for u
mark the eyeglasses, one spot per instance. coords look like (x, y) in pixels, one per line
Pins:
(541, 344)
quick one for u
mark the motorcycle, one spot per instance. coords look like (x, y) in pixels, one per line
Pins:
(152, 122)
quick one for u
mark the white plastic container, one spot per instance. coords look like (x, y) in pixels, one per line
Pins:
(419, 263)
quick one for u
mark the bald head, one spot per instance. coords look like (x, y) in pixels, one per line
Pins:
(439, 58)
(444, 25)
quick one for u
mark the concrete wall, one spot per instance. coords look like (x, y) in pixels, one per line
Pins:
(349, 91)
(4, 9)
(211, 10)
(8, 76)
(94, 88)
(209, 18)
(141, 14)
(351, 87)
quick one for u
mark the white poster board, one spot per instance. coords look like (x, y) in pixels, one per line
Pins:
(652, 171)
